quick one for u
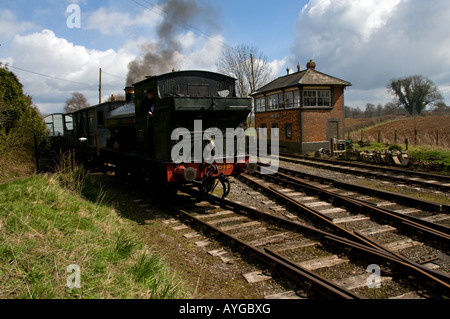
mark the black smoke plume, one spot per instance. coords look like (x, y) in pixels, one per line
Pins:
(164, 55)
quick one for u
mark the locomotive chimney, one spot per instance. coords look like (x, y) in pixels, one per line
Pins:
(129, 94)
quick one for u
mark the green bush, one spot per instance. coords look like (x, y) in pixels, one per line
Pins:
(20, 120)
(395, 147)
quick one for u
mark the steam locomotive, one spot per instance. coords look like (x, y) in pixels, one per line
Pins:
(172, 129)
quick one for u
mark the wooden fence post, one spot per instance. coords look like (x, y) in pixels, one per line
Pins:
(437, 137)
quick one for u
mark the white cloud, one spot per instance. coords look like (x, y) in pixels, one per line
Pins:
(372, 41)
(277, 67)
(359, 18)
(9, 26)
(113, 23)
(201, 53)
(45, 53)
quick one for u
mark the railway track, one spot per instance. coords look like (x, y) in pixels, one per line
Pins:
(431, 181)
(321, 263)
(431, 218)
(329, 238)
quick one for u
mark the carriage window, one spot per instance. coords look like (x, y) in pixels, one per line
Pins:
(100, 118)
(170, 88)
(200, 90)
(224, 89)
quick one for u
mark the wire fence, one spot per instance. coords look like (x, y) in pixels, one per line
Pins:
(413, 137)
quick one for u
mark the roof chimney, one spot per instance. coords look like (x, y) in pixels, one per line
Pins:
(298, 67)
(129, 94)
(287, 71)
(311, 65)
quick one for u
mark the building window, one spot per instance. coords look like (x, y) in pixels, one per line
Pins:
(280, 101)
(317, 98)
(292, 99)
(288, 130)
(261, 104)
(275, 101)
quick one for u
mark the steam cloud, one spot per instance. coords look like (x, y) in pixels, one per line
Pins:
(163, 56)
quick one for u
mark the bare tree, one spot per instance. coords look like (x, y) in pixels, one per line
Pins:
(76, 102)
(415, 93)
(441, 108)
(370, 110)
(248, 65)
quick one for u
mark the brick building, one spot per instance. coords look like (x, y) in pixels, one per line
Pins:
(307, 106)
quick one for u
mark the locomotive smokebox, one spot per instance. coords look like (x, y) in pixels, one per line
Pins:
(129, 94)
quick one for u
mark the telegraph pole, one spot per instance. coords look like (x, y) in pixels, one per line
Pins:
(100, 87)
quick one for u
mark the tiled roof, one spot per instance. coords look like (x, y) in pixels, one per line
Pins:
(305, 77)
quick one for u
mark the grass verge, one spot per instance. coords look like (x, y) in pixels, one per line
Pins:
(51, 236)
(430, 154)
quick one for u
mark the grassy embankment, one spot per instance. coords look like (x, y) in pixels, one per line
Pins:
(46, 226)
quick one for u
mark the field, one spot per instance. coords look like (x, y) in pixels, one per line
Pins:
(428, 136)
(431, 130)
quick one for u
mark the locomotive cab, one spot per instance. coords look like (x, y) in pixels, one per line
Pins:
(179, 99)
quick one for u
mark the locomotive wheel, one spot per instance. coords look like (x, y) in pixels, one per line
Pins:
(207, 186)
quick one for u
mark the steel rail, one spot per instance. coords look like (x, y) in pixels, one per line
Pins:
(442, 178)
(365, 250)
(424, 204)
(438, 277)
(378, 175)
(442, 238)
(306, 278)
(434, 231)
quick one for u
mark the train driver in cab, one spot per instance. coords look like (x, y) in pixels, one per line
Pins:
(148, 103)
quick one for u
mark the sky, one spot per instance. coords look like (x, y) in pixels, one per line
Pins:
(57, 47)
